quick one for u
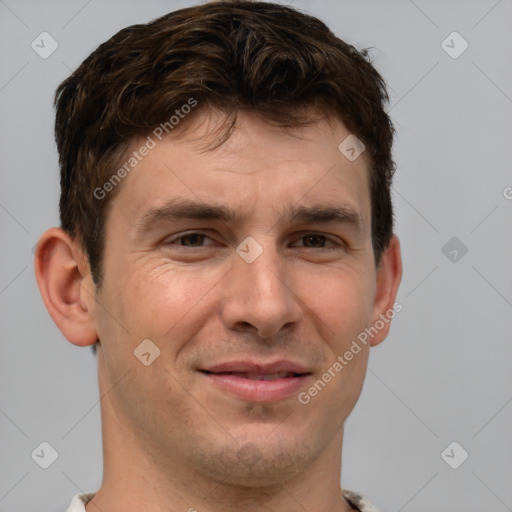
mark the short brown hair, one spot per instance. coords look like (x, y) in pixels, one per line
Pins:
(227, 55)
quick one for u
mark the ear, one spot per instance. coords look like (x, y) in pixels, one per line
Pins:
(389, 275)
(66, 286)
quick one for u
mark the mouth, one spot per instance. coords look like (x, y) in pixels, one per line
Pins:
(258, 382)
(258, 376)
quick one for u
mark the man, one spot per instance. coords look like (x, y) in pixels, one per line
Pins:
(226, 243)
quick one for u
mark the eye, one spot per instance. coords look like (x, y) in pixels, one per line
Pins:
(192, 239)
(196, 239)
(317, 241)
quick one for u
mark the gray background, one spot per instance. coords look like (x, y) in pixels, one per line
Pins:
(443, 374)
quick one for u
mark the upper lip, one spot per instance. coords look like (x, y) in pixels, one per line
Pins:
(263, 368)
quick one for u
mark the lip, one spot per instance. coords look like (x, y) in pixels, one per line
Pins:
(282, 365)
(221, 375)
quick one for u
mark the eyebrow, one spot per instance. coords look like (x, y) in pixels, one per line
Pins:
(187, 209)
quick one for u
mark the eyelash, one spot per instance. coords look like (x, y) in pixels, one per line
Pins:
(335, 244)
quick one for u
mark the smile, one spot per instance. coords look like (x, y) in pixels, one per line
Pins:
(258, 383)
(261, 376)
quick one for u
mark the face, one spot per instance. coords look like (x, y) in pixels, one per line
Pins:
(250, 268)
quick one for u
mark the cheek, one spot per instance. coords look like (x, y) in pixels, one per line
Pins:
(348, 305)
(158, 302)
(344, 304)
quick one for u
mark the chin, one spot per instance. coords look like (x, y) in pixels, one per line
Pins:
(256, 463)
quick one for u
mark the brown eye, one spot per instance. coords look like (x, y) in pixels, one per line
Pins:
(314, 240)
(192, 239)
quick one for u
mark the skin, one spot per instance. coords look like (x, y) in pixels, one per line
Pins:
(171, 439)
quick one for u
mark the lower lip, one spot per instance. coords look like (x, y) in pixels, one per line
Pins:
(258, 390)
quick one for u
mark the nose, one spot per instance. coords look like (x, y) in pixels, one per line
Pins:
(260, 296)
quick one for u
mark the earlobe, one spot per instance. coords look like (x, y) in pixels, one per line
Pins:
(65, 286)
(389, 275)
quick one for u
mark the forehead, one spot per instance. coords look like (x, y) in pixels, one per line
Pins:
(259, 170)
